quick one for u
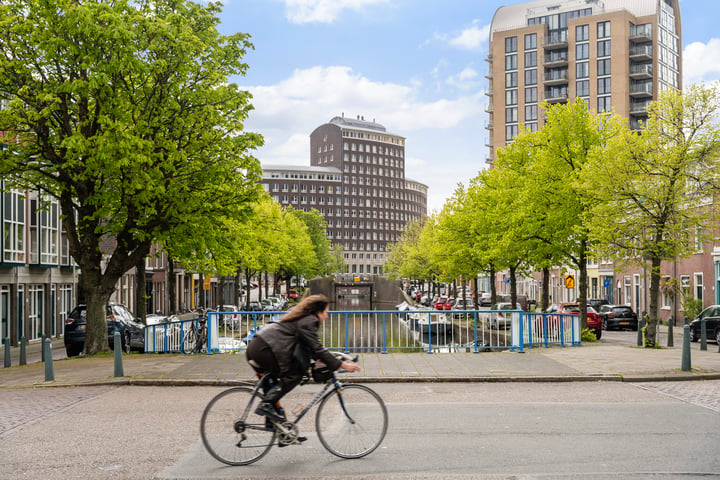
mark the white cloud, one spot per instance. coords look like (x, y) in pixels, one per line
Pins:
(471, 38)
(323, 11)
(467, 79)
(701, 62)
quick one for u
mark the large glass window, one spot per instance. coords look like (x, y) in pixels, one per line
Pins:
(511, 80)
(511, 44)
(603, 30)
(604, 104)
(511, 115)
(582, 51)
(14, 226)
(511, 62)
(511, 97)
(530, 59)
(582, 70)
(583, 88)
(531, 112)
(531, 41)
(582, 33)
(511, 131)
(531, 77)
(531, 95)
(603, 85)
(603, 48)
(603, 67)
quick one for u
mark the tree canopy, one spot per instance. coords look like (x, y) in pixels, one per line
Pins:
(123, 111)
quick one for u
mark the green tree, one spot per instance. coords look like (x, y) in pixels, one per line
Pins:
(658, 187)
(123, 111)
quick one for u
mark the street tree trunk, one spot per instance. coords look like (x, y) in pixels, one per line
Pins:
(140, 290)
(172, 285)
(545, 300)
(652, 315)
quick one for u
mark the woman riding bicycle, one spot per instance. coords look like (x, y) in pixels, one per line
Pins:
(271, 351)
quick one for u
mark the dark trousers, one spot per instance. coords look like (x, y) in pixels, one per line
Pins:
(260, 352)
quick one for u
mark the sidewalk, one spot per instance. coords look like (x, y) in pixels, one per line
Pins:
(610, 361)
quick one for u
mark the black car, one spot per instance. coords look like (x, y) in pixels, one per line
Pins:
(119, 319)
(618, 316)
(711, 315)
(596, 303)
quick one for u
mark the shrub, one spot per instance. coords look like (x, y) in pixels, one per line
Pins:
(587, 335)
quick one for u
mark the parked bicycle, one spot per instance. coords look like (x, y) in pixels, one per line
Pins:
(351, 421)
(195, 338)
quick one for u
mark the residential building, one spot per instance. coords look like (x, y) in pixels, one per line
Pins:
(356, 180)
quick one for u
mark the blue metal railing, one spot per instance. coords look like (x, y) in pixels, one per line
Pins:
(383, 331)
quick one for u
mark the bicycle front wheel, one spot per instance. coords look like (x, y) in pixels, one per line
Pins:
(231, 430)
(351, 422)
(189, 341)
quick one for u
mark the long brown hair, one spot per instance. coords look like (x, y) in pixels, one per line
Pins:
(311, 305)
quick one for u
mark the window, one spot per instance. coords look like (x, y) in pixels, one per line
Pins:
(49, 220)
(511, 80)
(14, 226)
(531, 113)
(583, 88)
(582, 70)
(604, 104)
(511, 131)
(511, 62)
(603, 30)
(628, 290)
(603, 67)
(582, 33)
(531, 77)
(531, 41)
(603, 48)
(511, 97)
(582, 51)
(530, 59)
(699, 286)
(511, 44)
(511, 115)
(532, 126)
(531, 95)
(603, 85)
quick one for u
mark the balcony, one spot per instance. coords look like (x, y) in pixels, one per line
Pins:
(641, 71)
(641, 33)
(489, 125)
(489, 108)
(643, 89)
(555, 77)
(639, 107)
(556, 59)
(556, 41)
(641, 53)
(556, 95)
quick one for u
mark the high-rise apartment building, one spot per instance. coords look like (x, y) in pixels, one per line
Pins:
(356, 180)
(616, 54)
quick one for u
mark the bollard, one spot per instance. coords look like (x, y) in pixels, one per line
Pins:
(118, 355)
(686, 367)
(641, 324)
(23, 351)
(6, 342)
(687, 321)
(703, 334)
(670, 332)
(47, 351)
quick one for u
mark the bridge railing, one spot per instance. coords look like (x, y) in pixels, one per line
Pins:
(385, 331)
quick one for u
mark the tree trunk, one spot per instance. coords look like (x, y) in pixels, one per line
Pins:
(545, 300)
(582, 283)
(238, 288)
(96, 330)
(513, 287)
(172, 287)
(493, 288)
(140, 290)
(652, 315)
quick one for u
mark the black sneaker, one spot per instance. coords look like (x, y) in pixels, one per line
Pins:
(298, 440)
(268, 410)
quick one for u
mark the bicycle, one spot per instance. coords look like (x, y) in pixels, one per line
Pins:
(195, 339)
(351, 421)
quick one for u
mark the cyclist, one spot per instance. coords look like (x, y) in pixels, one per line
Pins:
(271, 351)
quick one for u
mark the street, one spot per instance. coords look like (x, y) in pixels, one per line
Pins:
(437, 430)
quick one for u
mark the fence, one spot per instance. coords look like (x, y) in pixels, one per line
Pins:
(384, 331)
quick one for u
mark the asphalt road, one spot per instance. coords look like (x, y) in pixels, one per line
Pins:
(437, 430)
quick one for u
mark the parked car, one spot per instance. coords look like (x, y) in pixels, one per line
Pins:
(254, 306)
(596, 303)
(118, 318)
(461, 304)
(593, 318)
(618, 316)
(485, 299)
(711, 315)
(498, 318)
(440, 303)
(228, 319)
(292, 293)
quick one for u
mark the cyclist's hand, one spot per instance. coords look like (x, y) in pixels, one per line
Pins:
(350, 367)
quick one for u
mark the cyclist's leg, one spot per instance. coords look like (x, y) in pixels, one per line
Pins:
(262, 360)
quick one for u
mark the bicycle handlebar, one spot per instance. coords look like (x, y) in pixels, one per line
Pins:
(345, 357)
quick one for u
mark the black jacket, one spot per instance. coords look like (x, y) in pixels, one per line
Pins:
(280, 336)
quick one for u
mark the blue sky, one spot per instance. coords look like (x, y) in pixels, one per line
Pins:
(415, 66)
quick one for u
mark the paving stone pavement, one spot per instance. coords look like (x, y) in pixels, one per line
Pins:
(23, 407)
(702, 393)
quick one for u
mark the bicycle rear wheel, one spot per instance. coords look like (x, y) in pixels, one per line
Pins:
(352, 422)
(232, 432)
(189, 341)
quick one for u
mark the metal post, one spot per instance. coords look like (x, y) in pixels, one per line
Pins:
(670, 332)
(118, 355)
(703, 334)
(686, 367)
(6, 342)
(641, 324)
(47, 351)
(23, 351)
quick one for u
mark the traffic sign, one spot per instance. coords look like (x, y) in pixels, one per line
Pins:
(569, 281)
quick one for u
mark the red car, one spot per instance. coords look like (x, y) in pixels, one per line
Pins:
(442, 303)
(593, 318)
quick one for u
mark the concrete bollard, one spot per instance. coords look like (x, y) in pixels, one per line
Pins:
(23, 351)
(47, 350)
(118, 355)
(6, 342)
(670, 342)
(703, 334)
(686, 364)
